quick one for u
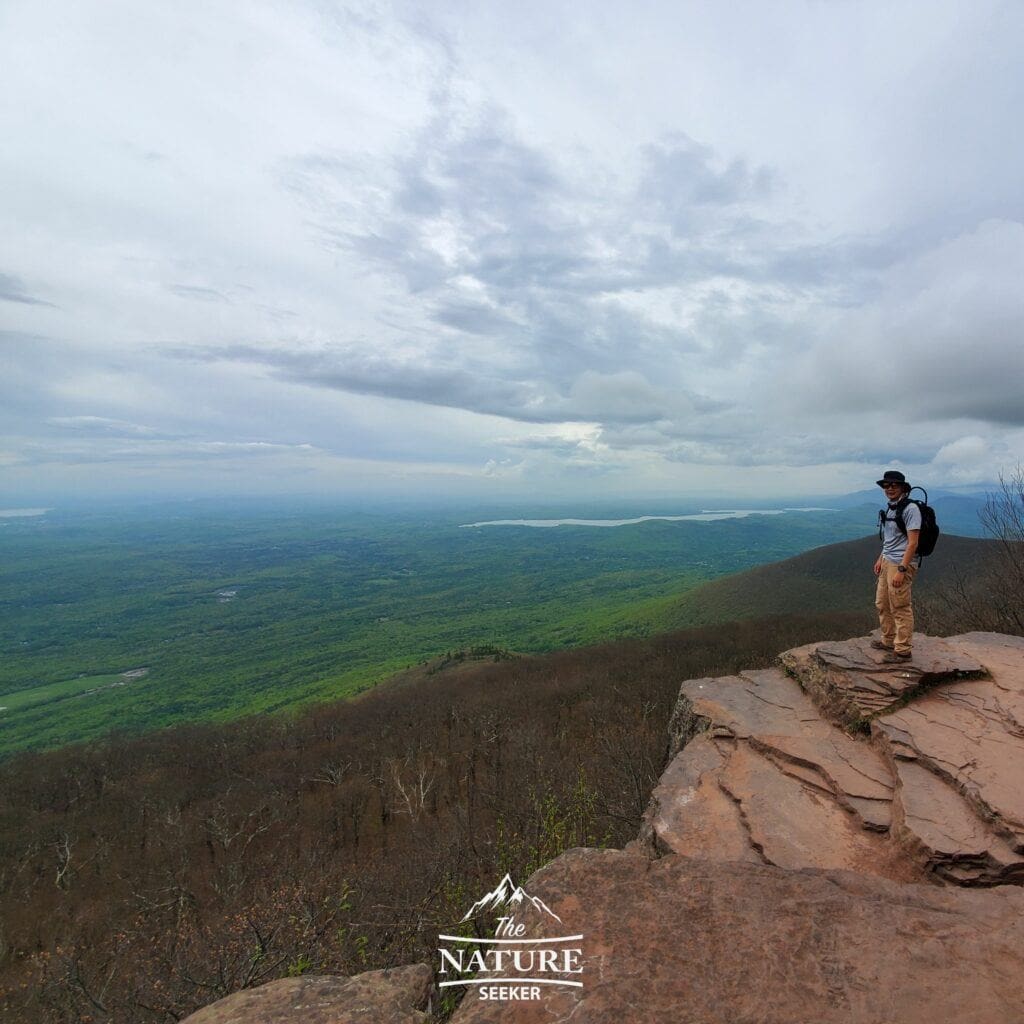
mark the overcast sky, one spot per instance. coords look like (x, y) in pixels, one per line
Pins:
(498, 250)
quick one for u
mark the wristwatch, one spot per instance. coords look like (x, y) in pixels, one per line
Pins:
(901, 568)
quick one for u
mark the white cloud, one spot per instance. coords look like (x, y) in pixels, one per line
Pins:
(977, 460)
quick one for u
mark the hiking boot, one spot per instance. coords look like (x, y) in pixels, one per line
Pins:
(879, 646)
(899, 656)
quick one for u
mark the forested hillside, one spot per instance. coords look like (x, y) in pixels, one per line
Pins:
(146, 877)
(835, 577)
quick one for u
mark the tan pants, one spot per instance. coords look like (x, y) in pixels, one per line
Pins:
(895, 614)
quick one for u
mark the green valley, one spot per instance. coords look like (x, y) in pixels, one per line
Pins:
(140, 619)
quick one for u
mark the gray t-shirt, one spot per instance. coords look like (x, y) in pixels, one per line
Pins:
(894, 543)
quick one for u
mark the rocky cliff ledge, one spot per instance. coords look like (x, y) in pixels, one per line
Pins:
(838, 840)
(839, 759)
(832, 841)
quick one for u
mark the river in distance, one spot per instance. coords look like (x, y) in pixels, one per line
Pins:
(707, 516)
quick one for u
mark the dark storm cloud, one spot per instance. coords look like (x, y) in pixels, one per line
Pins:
(980, 377)
(1005, 409)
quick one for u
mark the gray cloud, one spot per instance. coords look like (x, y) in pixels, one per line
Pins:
(520, 225)
(615, 398)
(145, 452)
(13, 289)
(496, 244)
(943, 341)
(472, 317)
(28, 363)
(103, 425)
(188, 291)
(478, 237)
(682, 187)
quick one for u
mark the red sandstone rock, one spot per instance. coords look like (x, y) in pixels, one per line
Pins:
(852, 682)
(762, 772)
(768, 780)
(399, 995)
(688, 941)
(957, 753)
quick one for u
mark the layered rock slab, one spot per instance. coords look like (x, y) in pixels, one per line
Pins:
(852, 682)
(702, 942)
(759, 776)
(398, 995)
(957, 754)
(764, 773)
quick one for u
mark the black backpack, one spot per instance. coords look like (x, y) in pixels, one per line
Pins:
(929, 527)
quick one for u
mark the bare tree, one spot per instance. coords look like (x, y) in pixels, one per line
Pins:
(413, 783)
(332, 773)
(62, 848)
(1003, 518)
(989, 596)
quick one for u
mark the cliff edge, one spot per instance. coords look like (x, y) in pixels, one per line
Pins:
(838, 839)
(841, 760)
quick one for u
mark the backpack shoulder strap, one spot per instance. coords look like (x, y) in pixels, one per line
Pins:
(900, 506)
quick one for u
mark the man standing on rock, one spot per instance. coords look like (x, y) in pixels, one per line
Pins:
(896, 567)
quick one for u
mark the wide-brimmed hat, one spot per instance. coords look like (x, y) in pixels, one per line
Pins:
(893, 476)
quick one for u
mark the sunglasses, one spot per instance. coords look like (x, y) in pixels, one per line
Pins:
(889, 487)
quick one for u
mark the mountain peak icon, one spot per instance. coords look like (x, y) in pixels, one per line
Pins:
(508, 894)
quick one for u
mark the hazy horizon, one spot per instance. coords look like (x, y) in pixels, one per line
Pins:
(560, 506)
